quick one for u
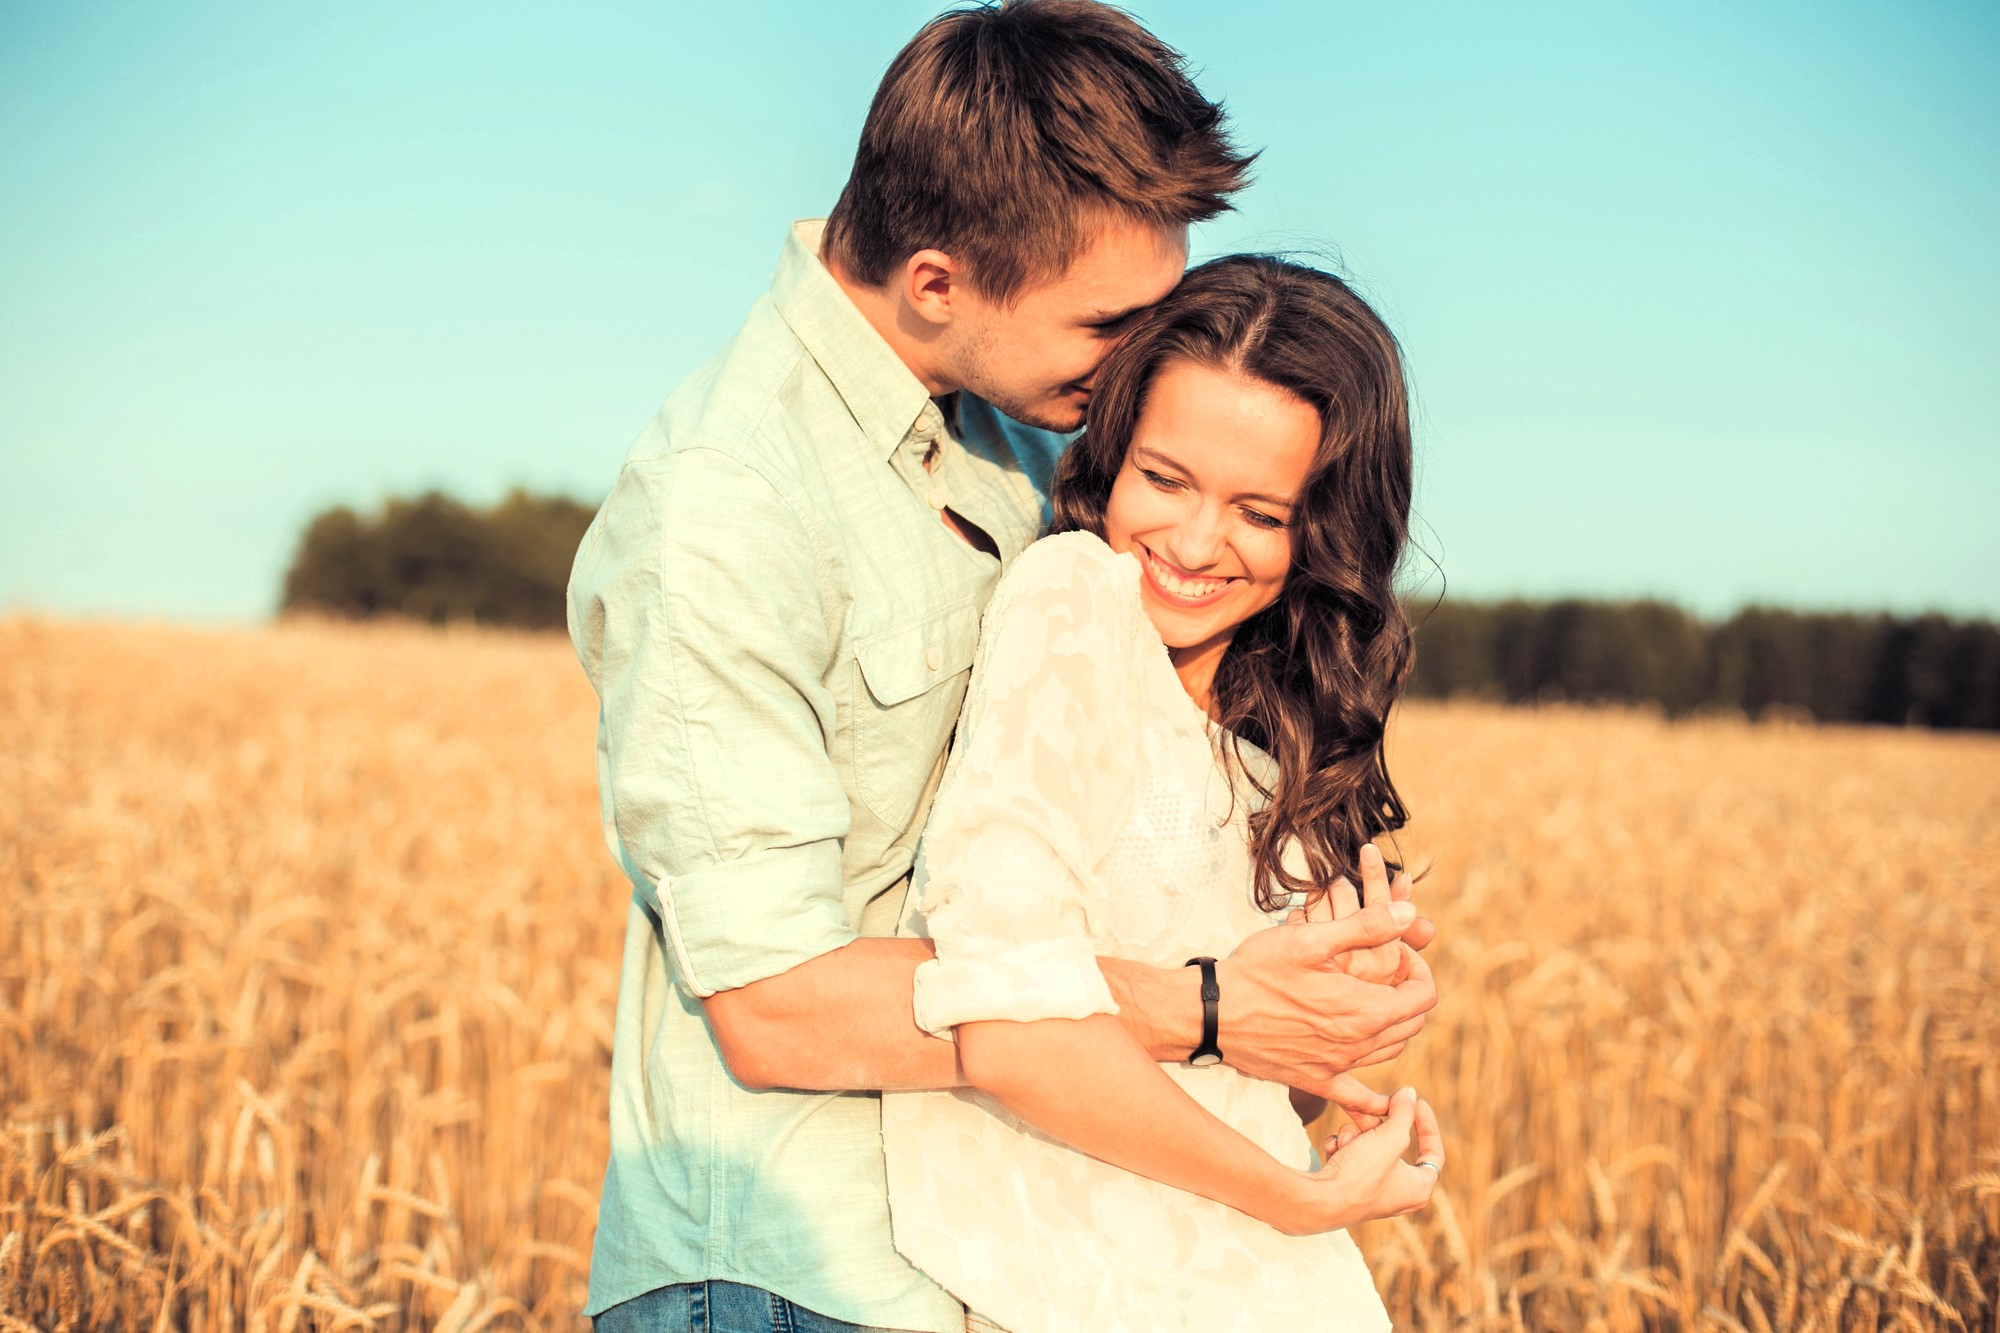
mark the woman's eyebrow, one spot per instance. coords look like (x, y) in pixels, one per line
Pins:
(1147, 453)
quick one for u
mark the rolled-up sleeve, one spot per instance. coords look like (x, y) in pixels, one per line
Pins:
(1042, 781)
(698, 610)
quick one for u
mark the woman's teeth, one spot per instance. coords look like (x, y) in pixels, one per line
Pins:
(1192, 589)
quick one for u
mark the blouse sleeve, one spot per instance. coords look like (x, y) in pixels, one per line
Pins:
(1040, 784)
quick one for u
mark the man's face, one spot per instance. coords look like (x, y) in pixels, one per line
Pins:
(1036, 359)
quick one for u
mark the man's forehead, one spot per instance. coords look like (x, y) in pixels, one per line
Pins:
(1130, 267)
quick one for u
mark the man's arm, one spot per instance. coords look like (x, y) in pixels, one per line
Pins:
(843, 1022)
(836, 1023)
(1297, 1011)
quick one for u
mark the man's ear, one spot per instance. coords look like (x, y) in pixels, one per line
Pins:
(933, 283)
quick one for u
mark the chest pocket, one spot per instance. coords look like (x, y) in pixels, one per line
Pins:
(913, 679)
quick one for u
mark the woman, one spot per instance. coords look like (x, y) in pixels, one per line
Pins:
(1174, 728)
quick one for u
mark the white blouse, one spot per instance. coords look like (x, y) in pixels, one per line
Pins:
(1085, 810)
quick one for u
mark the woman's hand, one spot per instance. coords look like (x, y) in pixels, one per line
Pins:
(1365, 1176)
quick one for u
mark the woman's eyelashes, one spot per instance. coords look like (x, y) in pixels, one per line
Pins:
(1256, 517)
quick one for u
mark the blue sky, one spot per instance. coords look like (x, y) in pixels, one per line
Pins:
(1700, 301)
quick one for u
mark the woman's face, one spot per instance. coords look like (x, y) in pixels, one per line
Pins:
(1204, 501)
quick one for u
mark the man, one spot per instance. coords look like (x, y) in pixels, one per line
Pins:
(778, 606)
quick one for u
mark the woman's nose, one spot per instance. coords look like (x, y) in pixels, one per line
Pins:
(1197, 540)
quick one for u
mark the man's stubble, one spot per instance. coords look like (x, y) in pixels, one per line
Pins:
(1045, 408)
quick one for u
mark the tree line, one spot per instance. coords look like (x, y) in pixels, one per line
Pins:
(436, 559)
(1927, 670)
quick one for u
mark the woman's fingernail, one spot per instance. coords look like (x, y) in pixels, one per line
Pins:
(1402, 913)
(1407, 1094)
(1370, 855)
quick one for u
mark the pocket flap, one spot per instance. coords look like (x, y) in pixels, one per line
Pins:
(903, 662)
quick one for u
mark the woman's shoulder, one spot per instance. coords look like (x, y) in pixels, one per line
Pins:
(1072, 581)
(1071, 561)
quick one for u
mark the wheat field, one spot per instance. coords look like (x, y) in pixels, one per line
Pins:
(309, 940)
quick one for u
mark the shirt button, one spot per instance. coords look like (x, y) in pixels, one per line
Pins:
(937, 497)
(934, 657)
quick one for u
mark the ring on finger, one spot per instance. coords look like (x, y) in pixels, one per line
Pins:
(1425, 1162)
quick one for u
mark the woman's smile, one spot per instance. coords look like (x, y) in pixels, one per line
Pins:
(1175, 586)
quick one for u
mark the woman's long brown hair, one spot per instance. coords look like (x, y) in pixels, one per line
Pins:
(1312, 677)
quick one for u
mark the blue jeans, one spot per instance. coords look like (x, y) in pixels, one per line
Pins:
(717, 1307)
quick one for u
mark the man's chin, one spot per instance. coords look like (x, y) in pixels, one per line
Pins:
(1061, 416)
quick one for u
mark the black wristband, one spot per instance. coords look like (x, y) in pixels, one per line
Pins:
(1208, 1053)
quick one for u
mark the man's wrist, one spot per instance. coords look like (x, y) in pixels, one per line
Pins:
(1209, 1052)
(1160, 1006)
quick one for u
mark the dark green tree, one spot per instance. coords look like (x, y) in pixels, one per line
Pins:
(437, 560)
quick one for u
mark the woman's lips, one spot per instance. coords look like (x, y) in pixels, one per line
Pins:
(1168, 582)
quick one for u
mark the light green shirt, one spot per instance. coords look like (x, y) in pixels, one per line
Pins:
(779, 627)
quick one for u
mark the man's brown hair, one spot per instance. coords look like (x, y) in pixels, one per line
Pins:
(1003, 132)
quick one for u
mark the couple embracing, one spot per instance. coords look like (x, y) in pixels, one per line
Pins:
(999, 808)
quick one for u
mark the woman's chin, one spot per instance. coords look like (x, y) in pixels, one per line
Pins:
(1182, 628)
(1183, 634)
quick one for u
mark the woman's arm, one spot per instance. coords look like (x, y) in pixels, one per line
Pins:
(1087, 1083)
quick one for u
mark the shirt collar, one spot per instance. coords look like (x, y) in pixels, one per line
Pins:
(885, 399)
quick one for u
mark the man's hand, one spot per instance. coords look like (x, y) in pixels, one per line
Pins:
(1389, 964)
(1364, 1106)
(1384, 962)
(1292, 1014)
